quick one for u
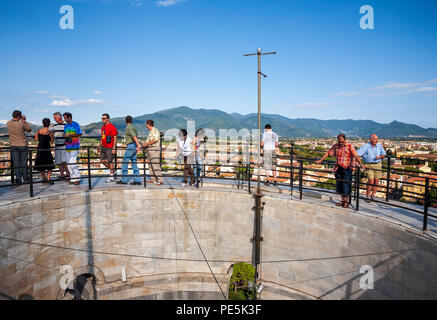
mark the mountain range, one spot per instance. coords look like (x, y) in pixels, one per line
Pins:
(283, 126)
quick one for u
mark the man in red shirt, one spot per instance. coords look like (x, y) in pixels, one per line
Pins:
(107, 145)
(345, 156)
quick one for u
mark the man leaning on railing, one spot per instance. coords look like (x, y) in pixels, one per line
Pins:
(17, 128)
(344, 154)
(372, 153)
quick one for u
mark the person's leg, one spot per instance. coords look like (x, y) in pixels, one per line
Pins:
(347, 185)
(375, 187)
(186, 169)
(72, 166)
(137, 177)
(49, 174)
(155, 164)
(23, 163)
(369, 188)
(15, 156)
(125, 165)
(43, 175)
(338, 184)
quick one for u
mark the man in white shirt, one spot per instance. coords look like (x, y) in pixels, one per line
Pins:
(269, 143)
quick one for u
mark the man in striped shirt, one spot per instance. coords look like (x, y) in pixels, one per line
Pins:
(60, 152)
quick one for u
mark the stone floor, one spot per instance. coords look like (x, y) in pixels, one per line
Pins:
(379, 209)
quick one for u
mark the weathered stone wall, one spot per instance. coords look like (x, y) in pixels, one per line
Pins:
(329, 246)
(135, 225)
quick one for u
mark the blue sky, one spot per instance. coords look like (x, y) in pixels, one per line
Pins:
(141, 56)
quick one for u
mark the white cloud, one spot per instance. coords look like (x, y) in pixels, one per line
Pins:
(42, 92)
(392, 89)
(3, 121)
(97, 92)
(137, 3)
(71, 103)
(314, 104)
(167, 3)
(55, 96)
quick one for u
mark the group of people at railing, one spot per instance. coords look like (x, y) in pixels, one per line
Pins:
(346, 162)
(65, 134)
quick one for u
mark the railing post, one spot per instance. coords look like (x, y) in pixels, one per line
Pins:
(291, 167)
(115, 161)
(12, 166)
(426, 204)
(357, 189)
(89, 167)
(248, 175)
(300, 178)
(387, 192)
(30, 172)
(144, 168)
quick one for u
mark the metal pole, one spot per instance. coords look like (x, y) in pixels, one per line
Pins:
(12, 167)
(291, 167)
(89, 168)
(300, 178)
(425, 205)
(259, 120)
(357, 189)
(389, 154)
(144, 168)
(115, 160)
(30, 172)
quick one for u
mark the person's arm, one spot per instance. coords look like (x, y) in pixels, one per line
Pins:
(383, 154)
(137, 143)
(51, 136)
(327, 153)
(36, 135)
(26, 125)
(354, 153)
(115, 143)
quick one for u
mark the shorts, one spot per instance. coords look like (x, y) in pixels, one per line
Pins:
(60, 156)
(269, 159)
(374, 171)
(106, 154)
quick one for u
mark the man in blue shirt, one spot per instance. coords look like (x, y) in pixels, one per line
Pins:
(372, 154)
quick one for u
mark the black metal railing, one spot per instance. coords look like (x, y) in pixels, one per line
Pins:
(292, 172)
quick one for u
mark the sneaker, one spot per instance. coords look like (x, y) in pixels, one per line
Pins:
(135, 183)
(184, 184)
(267, 183)
(110, 179)
(275, 183)
(150, 181)
(159, 183)
(121, 182)
(367, 199)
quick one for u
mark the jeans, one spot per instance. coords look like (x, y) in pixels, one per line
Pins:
(130, 156)
(19, 157)
(344, 180)
(198, 167)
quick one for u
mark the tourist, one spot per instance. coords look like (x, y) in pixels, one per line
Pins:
(185, 151)
(269, 143)
(72, 134)
(198, 158)
(344, 154)
(44, 159)
(107, 145)
(60, 153)
(372, 154)
(17, 128)
(130, 155)
(153, 148)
